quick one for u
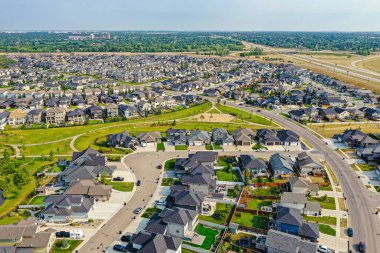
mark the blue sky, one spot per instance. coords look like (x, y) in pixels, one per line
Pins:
(238, 15)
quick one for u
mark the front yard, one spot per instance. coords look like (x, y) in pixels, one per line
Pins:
(120, 186)
(150, 211)
(169, 181)
(73, 244)
(37, 200)
(181, 147)
(326, 229)
(326, 202)
(328, 220)
(170, 164)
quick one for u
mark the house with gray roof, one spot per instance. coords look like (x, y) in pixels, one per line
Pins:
(306, 164)
(177, 136)
(299, 201)
(256, 166)
(123, 139)
(280, 242)
(147, 242)
(88, 157)
(203, 182)
(149, 139)
(89, 188)
(77, 173)
(221, 137)
(280, 164)
(192, 200)
(65, 208)
(199, 138)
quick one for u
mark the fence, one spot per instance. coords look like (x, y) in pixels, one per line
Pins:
(195, 249)
(222, 201)
(229, 183)
(211, 224)
(29, 206)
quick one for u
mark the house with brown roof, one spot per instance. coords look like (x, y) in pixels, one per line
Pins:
(16, 118)
(243, 137)
(149, 139)
(91, 189)
(55, 116)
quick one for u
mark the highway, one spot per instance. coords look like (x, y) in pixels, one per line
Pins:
(361, 202)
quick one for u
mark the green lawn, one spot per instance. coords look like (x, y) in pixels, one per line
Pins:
(73, 244)
(267, 191)
(222, 162)
(365, 167)
(244, 115)
(14, 217)
(150, 211)
(56, 169)
(37, 200)
(251, 220)
(224, 175)
(58, 148)
(209, 234)
(170, 164)
(208, 147)
(259, 146)
(326, 229)
(323, 219)
(160, 147)
(221, 214)
(120, 186)
(181, 147)
(328, 203)
(255, 204)
(168, 181)
(217, 147)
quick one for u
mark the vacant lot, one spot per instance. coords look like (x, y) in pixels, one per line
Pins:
(328, 130)
(371, 64)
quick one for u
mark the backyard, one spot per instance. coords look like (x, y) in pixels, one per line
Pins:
(209, 234)
(225, 175)
(251, 220)
(255, 204)
(220, 216)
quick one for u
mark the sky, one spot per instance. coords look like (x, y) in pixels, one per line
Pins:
(191, 15)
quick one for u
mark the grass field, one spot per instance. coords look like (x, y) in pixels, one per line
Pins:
(328, 130)
(10, 203)
(32, 136)
(323, 219)
(58, 148)
(370, 64)
(244, 115)
(328, 203)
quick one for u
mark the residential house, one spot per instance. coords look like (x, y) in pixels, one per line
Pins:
(267, 137)
(76, 117)
(95, 112)
(257, 167)
(146, 242)
(16, 118)
(280, 242)
(88, 157)
(306, 164)
(177, 136)
(299, 201)
(112, 110)
(220, 136)
(34, 117)
(149, 139)
(280, 165)
(122, 139)
(128, 111)
(199, 138)
(55, 116)
(90, 189)
(356, 139)
(288, 138)
(4, 115)
(66, 208)
(243, 137)
(192, 200)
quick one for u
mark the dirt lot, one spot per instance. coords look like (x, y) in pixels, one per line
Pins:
(328, 130)
(212, 117)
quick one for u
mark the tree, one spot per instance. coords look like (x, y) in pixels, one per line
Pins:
(103, 178)
(6, 155)
(51, 155)
(247, 178)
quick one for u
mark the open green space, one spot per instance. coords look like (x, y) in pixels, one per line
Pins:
(120, 186)
(328, 220)
(14, 217)
(150, 211)
(326, 229)
(209, 234)
(221, 214)
(73, 244)
(31, 136)
(251, 220)
(326, 202)
(37, 200)
(58, 148)
(226, 175)
(244, 115)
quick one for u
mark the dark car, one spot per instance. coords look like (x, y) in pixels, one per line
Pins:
(126, 238)
(362, 247)
(138, 210)
(138, 182)
(62, 234)
(159, 167)
(118, 179)
(350, 232)
(118, 247)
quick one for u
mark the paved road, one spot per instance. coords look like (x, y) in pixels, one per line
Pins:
(361, 202)
(144, 165)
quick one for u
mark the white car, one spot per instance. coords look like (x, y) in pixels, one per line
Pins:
(323, 249)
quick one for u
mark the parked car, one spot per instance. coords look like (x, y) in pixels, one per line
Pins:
(362, 247)
(138, 182)
(159, 166)
(350, 232)
(138, 210)
(126, 238)
(118, 179)
(62, 234)
(160, 202)
(118, 247)
(323, 249)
